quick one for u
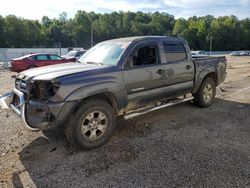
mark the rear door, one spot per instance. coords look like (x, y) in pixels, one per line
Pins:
(54, 59)
(144, 75)
(41, 60)
(179, 69)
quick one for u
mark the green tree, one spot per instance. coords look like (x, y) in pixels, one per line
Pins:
(180, 26)
(245, 34)
(2, 33)
(63, 18)
(226, 33)
(32, 33)
(14, 30)
(229, 33)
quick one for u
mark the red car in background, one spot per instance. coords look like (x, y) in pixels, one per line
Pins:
(36, 60)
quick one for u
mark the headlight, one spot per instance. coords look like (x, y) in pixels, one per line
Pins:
(43, 90)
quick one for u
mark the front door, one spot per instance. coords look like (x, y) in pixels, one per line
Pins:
(144, 75)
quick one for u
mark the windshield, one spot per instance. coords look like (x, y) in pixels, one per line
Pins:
(107, 53)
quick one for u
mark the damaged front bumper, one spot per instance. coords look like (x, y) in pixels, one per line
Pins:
(38, 115)
(6, 102)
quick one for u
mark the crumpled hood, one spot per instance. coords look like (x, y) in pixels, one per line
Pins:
(55, 71)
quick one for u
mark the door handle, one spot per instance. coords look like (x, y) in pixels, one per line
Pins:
(188, 67)
(160, 71)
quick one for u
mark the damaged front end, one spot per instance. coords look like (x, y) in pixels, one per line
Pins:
(31, 100)
(15, 101)
(41, 112)
(43, 90)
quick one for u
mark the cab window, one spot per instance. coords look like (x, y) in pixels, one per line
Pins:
(175, 51)
(145, 55)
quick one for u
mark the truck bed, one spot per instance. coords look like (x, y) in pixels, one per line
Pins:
(216, 64)
(209, 59)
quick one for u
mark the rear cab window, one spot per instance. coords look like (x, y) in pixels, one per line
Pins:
(174, 51)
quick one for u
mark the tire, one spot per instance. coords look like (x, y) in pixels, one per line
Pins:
(206, 94)
(92, 124)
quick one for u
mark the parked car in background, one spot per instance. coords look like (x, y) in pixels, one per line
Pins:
(74, 54)
(36, 60)
(197, 54)
(238, 53)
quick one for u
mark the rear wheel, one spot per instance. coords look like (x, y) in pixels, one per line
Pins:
(92, 125)
(206, 94)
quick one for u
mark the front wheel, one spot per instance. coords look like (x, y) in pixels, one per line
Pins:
(92, 125)
(206, 94)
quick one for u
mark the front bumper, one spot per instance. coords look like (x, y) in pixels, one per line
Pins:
(6, 102)
(38, 115)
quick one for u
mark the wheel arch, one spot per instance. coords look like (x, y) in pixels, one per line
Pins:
(212, 75)
(202, 76)
(105, 96)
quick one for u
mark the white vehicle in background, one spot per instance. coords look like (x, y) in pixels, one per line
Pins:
(238, 53)
(199, 54)
(74, 54)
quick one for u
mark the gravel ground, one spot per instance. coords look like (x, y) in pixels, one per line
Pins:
(180, 146)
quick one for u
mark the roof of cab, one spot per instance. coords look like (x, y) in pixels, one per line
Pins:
(140, 38)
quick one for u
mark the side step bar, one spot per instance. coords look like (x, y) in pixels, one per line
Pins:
(171, 103)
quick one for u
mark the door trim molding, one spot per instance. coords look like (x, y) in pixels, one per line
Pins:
(137, 89)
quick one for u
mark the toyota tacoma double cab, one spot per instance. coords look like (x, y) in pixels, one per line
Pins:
(125, 77)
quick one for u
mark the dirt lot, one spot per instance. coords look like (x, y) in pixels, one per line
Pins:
(180, 146)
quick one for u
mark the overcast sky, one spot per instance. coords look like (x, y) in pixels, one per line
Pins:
(35, 9)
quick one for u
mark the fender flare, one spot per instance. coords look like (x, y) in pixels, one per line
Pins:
(202, 75)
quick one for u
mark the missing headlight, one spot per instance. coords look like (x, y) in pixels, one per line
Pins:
(43, 90)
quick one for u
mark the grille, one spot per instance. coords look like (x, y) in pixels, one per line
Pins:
(16, 101)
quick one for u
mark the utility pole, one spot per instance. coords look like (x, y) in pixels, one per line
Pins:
(210, 39)
(91, 35)
(211, 43)
(60, 48)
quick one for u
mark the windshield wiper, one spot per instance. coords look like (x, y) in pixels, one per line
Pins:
(78, 61)
(92, 62)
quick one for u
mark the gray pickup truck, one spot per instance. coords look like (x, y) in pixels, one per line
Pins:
(125, 77)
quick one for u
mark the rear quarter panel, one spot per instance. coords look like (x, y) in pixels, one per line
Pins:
(205, 66)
